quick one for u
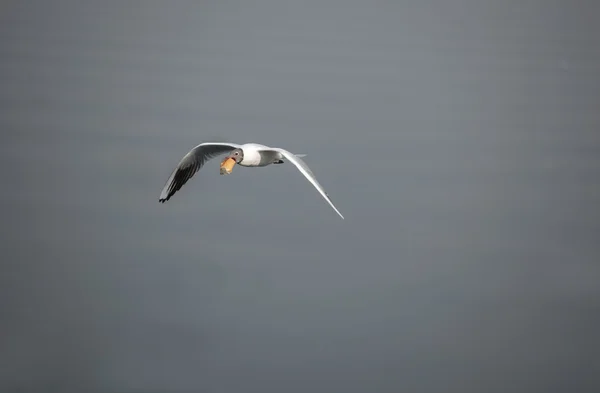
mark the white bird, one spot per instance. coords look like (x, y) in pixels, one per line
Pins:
(247, 155)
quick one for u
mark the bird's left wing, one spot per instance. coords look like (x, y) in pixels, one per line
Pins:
(305, 170)
(191, 163)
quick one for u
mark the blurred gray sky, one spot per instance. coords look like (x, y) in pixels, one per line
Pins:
(459, 138)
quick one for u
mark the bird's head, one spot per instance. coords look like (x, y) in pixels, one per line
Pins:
(237, 155)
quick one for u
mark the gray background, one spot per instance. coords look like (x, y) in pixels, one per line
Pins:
(459, 138)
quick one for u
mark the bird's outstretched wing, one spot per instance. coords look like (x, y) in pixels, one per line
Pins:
(191, 163)
(305, 170)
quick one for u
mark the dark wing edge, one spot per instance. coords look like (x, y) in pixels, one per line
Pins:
(190, 164)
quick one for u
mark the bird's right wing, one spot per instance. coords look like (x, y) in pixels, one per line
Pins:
(191, 163)
(305, 170)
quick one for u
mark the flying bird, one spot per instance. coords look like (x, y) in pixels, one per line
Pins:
(251, 155)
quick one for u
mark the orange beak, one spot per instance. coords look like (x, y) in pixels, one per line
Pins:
(227, 166)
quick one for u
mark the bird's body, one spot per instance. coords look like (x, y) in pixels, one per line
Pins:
(257, 155)
(251, 155)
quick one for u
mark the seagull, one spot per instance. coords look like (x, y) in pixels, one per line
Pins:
(251, 155)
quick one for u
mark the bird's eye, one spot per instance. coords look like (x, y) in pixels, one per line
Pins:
(236, 153)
